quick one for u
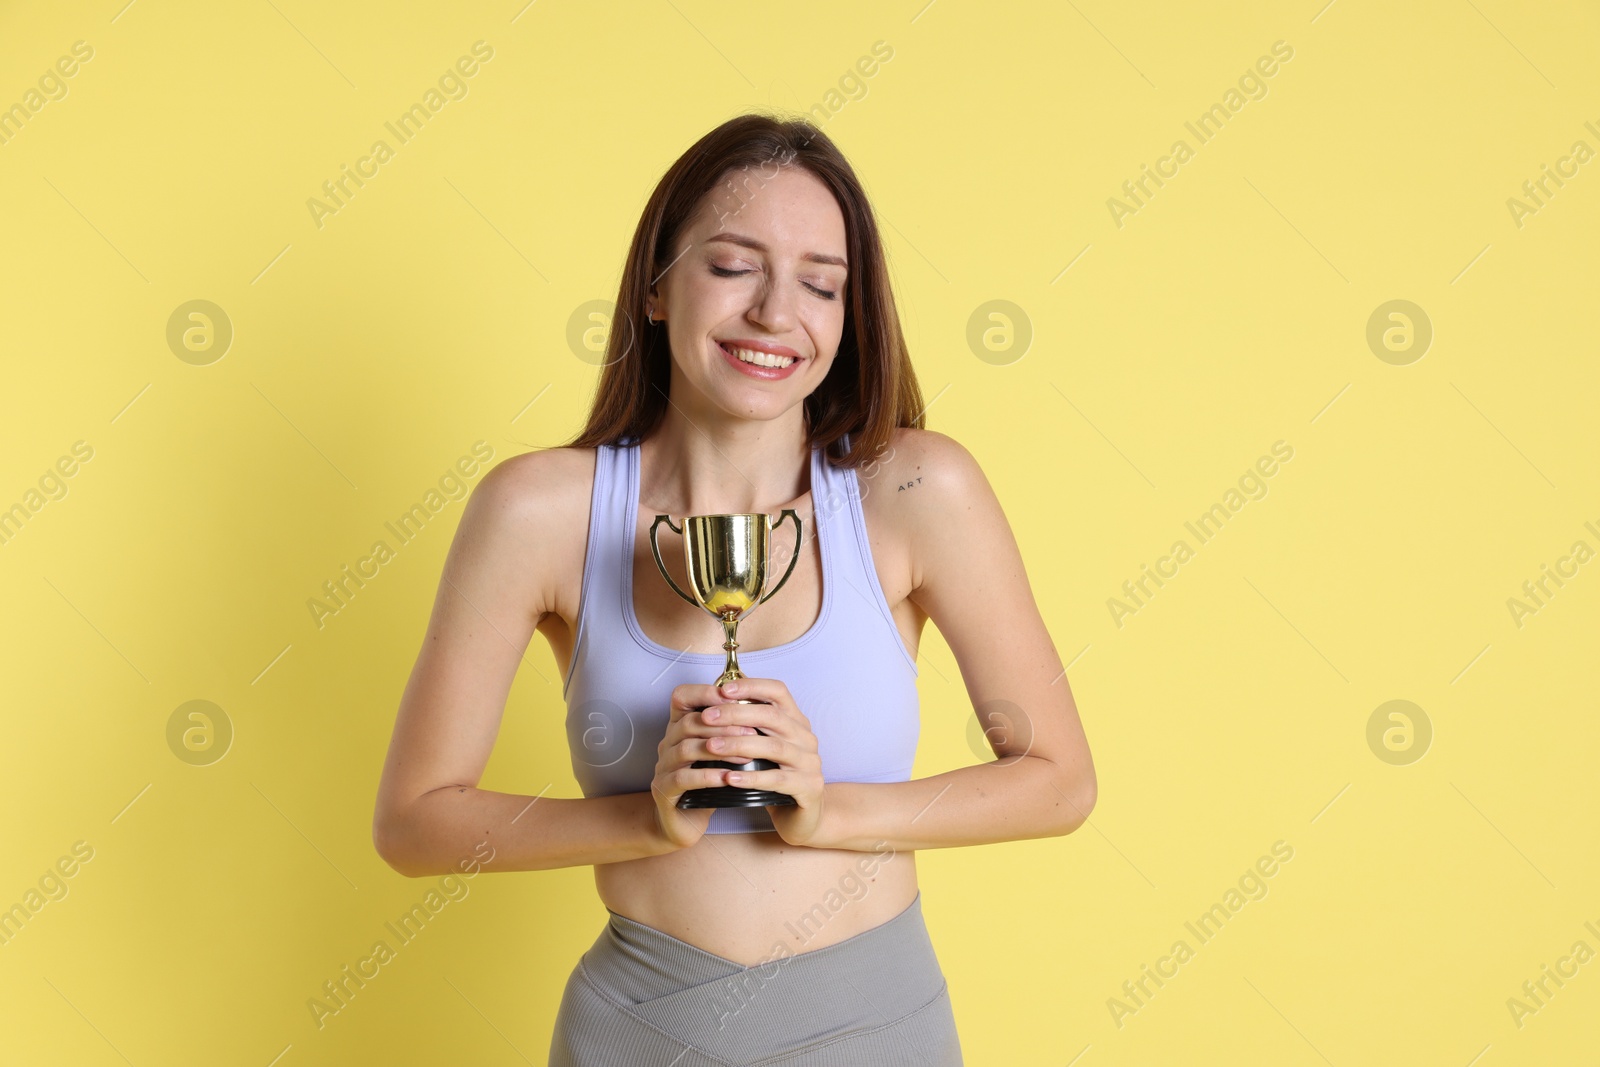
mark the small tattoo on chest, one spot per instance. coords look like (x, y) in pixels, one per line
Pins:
(912, 484)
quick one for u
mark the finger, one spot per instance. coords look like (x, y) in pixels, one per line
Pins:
(743, 749)
(779, 781)
(684, 753)
(693, 724)
(692, 750)
(768, 718)
(696, 726)
(672, 785)
(691, 697)
(795, 758)
(770, 690)
(678, 782)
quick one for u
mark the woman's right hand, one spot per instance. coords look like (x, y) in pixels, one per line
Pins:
(684, 744)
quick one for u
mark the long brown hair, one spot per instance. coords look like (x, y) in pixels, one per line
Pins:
(870, 389)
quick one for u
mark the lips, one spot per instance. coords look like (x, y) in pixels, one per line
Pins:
(756, 370)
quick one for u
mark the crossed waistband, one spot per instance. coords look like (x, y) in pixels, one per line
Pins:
(892, 965)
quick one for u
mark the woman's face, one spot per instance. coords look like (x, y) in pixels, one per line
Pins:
(762, 264)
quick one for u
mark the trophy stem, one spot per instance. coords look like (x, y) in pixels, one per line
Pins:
(730, 628)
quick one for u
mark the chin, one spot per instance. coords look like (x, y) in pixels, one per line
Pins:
(762, 412)
(762, 408)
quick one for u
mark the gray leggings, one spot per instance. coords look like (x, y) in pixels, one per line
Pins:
(640, 997)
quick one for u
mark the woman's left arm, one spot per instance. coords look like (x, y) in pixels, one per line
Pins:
(970, 580)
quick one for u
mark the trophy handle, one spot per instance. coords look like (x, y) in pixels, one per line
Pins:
(787, 513)
(655, 552)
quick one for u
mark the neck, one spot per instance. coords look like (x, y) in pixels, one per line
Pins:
(705, 466)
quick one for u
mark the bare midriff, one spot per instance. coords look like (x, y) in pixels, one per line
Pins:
(753, 897)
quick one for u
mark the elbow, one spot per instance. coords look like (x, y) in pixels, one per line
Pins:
(1076, 796)
(1091, 793)
(390, 840)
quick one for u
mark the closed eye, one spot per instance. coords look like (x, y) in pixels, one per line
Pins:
(723, 272)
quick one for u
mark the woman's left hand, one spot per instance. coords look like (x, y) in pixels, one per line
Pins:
(789, 743)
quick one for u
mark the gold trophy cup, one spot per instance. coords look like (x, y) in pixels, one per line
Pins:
(727, 557)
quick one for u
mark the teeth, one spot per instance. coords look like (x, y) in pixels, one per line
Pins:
(761, 359)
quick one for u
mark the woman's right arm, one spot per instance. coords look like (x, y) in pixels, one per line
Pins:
(498, 582)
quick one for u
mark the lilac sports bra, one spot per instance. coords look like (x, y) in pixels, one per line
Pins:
(850, 673)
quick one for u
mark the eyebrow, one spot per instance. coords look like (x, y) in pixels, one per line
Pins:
(751, 242)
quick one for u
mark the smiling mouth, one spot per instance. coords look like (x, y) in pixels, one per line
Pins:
(759, 359)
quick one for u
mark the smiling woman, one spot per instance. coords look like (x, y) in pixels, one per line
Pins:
(768, 372)
(695, 230)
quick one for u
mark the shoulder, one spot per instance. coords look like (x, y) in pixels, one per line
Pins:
(925, 469)
(931, 493)
(535, 493)
(545, 473)
(525, 528)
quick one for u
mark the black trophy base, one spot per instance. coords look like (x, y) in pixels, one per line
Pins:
(732, 796)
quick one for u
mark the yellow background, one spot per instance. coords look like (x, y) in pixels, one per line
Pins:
(1230, 312)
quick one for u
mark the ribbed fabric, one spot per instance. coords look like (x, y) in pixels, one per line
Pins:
(850, 673)
(640, 996)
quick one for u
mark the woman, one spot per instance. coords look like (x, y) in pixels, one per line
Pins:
(768, 371)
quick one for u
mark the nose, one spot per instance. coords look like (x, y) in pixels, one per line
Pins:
(775, 310)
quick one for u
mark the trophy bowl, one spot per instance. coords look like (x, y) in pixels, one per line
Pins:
(727, 559)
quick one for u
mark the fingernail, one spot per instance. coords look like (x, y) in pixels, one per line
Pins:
(710, 714)
(735, 776)
(730, 688)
